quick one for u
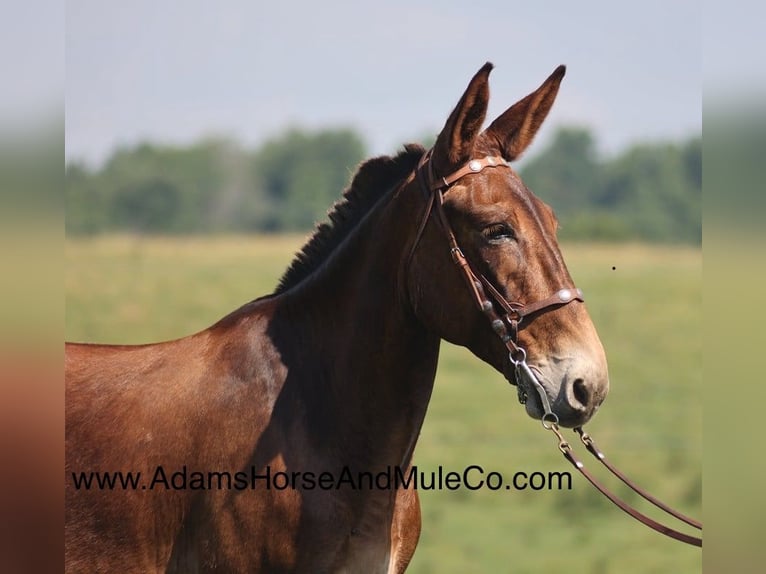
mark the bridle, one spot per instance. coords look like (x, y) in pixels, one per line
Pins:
(506, 323)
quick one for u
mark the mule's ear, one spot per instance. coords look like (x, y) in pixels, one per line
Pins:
(515, 129)
(455, 142)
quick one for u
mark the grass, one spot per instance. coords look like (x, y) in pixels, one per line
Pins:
(648, 313)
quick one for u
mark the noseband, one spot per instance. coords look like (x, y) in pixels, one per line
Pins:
(506, 323)
(506, 326)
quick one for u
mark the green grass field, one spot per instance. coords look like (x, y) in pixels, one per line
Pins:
(647, 311)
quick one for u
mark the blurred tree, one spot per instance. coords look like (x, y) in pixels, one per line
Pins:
(302, 174)
(651, 188)
(649, 192)
(566, 173)
(86, 212)
(149, 206)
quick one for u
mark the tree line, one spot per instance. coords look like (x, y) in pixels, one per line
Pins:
(648, 192)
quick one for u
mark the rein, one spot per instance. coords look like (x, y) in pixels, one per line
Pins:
(506, 325)
(569, 454)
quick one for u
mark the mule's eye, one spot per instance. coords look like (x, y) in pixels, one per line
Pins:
(498, 232)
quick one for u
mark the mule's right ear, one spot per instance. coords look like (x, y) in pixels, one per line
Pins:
(514, 130)
(454, 144)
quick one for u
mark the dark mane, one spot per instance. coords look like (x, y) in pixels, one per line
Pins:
(372, 181)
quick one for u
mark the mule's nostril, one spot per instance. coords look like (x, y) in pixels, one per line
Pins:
(580, 391)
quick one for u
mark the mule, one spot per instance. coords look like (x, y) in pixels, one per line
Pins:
(332, 372)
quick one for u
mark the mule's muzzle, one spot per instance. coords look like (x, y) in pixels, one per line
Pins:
(573, 400)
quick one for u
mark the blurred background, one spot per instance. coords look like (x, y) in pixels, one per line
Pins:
(187, 118)
(170, 79)
(204, 141)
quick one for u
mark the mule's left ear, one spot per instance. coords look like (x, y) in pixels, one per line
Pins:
(515, 129)
(454, 144)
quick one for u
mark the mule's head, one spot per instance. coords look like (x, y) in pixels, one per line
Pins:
(508, 235)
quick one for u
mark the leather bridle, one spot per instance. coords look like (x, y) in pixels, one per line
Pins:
(505, 324)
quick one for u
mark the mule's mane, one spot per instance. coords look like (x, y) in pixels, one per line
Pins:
(372, 181)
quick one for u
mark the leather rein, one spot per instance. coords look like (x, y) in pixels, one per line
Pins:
(506, 323)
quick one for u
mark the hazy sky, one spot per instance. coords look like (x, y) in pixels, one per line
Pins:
(174, 71)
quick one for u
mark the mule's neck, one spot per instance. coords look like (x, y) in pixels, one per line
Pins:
(367, 364)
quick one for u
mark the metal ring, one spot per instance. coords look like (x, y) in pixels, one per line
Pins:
(551, 418)
(523, 356)
(584, 437)
(517, 318)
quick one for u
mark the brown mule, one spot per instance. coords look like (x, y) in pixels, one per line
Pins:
(234, 429)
